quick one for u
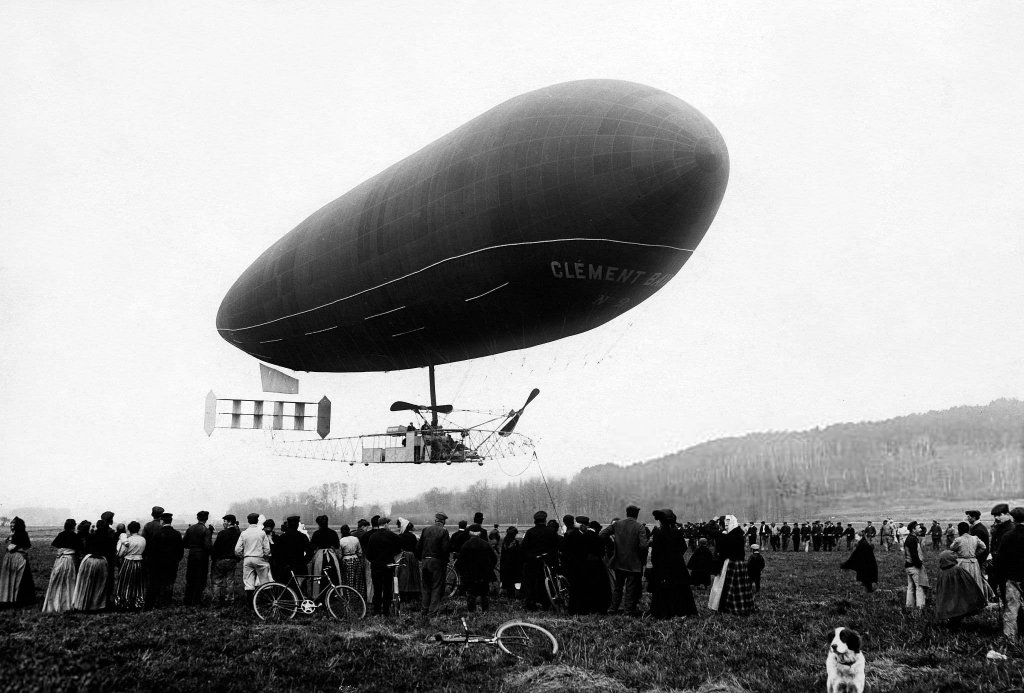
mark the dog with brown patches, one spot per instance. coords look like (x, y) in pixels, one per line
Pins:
(845, 662)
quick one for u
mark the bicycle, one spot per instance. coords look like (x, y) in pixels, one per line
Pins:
(556, 586)
(520, 639)
(396, 598)
(275, 601)
(452, 581)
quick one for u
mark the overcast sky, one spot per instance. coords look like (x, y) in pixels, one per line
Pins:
(866, 261)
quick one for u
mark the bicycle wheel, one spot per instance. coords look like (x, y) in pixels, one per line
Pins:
(345, 603)
(451, 582)
(526, 641)
(562, 588)
(275, 602)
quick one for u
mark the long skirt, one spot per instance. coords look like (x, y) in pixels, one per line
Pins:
(130, 593)
(974, 570)
(325, 562)
(91, 585)
(957, 594)
(353, 573)
(16, 586)
(61, 590)
(672, 598)
(409, 576)
(737, 590)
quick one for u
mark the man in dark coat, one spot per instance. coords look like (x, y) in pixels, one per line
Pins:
(381, 548)
(755, 565)
(224, 560)
(784, 533)
(1008, 569)
(292, 549)
(478, 561)
(168, 552)
(150, 532)
(979, 530)
(432, 551)
(198, 541)
(630, 551)
(540, 546)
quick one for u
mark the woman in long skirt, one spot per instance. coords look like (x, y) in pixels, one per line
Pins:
(966, 547)
(510, 563)
(61, 589)
(353, 567)
(732, 591)
(16, 586)
(130, 593)
(956, 593)
(325, 544)
(669, 579)
(91, 584)
(409, 582)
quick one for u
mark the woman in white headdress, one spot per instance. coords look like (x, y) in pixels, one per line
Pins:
(732, 591)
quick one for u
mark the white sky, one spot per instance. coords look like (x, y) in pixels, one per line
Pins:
(866, 261)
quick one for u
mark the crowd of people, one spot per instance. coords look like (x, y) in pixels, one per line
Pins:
(133, 567)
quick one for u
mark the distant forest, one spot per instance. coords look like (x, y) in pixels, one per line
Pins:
(965, 452)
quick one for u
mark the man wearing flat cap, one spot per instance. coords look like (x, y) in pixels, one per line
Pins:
(1002, 522)
(630, 538)
(540, 546)
(199, 542)
(432, 551)
(1008, 568)
(979, 530)
(224, 560)
(381, 548)
(150, 532)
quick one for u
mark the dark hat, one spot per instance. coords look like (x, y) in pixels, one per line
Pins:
(973, 513)
(1000, 509)
(582, 520)
(659, 515)
(462, 524)
(363, 522)
(440, 517)
(253, 518)
(157, 511)
(293, 518)
(232, 519)
(375, 520)
(108, 516)
(568, 519)
(203, 515)
(632, 510)
(540, 516)
(269, 523)
(1017, 514)
(321, 520)
(166, 517)
(912, 524)
(474, 528)
(478, 518)
(512, 529)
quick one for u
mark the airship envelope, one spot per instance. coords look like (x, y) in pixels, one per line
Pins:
(546, 216)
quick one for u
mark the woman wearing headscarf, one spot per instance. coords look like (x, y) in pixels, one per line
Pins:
(16, 586)
(510, 566)
(325, 543)
(61, 589)
(956, 592)
(130, 593)
(353, 570)
(409, 581)
(967, 547)
(669, 580)
(862, 562)
(91, 583)
(732, 591)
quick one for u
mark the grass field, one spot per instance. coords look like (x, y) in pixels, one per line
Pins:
(780, 648)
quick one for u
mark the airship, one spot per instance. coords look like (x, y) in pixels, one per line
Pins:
(546, 216)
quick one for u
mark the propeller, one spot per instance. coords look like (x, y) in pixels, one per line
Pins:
(406, 406)
(513, 416)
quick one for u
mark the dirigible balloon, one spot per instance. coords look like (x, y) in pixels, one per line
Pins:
(548, 215)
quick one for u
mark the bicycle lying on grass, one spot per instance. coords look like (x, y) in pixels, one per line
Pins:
(518, 638)
(275, 601)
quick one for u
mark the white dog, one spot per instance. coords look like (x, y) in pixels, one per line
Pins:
(845, 663)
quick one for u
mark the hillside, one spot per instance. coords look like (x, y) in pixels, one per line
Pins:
(964, 452)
